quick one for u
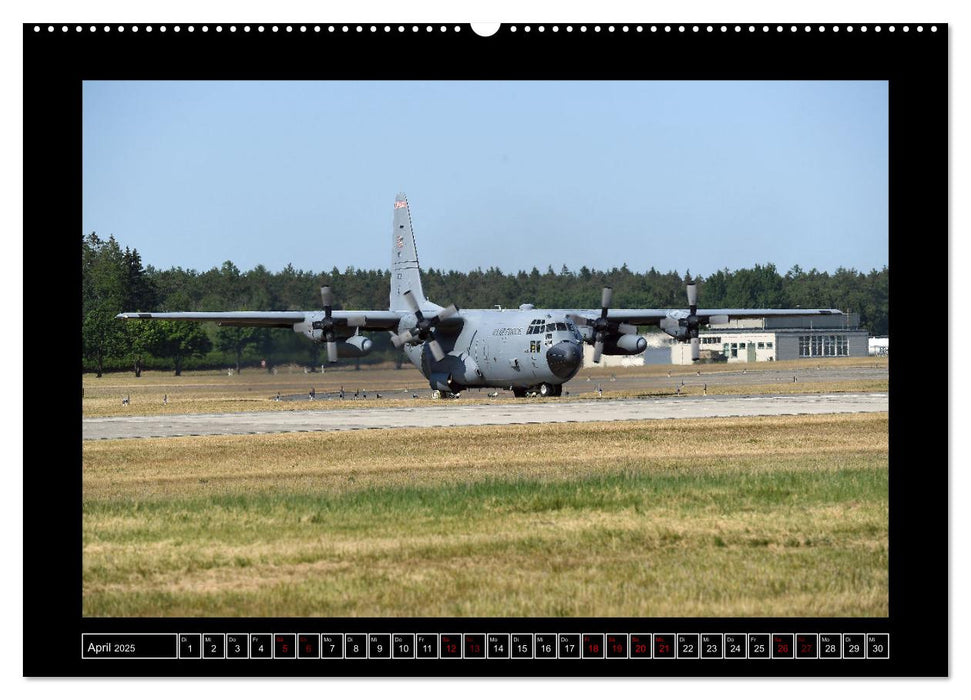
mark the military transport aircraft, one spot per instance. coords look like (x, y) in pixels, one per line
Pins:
(527, 349)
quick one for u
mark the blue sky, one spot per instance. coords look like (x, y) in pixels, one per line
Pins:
(671, 175)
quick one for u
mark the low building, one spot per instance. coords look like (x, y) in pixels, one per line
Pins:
(879, 345)
(774, 339)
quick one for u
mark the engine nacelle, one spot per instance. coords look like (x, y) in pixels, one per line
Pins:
(355, 346)
(676, 325)
(627, 344)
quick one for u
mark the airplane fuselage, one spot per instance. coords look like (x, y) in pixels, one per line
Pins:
(522, 349)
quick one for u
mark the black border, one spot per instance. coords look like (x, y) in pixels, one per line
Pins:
(55, 62)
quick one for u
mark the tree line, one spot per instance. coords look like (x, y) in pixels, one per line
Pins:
(114, 280)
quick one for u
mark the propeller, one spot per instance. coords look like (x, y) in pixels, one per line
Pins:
(601, 324)
(423, 329)
(686, 327)
(329, 324)
(693, 321)
(602, 327)
(327, 296)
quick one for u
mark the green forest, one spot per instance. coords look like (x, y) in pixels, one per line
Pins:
(115, 279)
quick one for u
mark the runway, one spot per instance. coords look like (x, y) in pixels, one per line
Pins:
(503, 412)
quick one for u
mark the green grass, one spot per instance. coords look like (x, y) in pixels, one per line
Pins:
(780, 531)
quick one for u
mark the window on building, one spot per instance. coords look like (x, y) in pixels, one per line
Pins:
(823, 346)
(769, 345)
(761, 346)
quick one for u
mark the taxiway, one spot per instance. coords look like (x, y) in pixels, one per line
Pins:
(502, 412)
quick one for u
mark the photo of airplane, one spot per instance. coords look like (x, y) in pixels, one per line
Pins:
(528, 350)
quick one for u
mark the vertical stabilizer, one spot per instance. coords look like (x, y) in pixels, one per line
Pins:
(405, 274)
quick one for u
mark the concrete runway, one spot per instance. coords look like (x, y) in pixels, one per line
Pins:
(503, 412)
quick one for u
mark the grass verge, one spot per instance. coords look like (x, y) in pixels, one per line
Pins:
(771, 516)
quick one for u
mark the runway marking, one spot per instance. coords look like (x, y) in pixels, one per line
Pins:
(487, 414)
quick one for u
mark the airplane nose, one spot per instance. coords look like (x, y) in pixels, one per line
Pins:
(564, 358)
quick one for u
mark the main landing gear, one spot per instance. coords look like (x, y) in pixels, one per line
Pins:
(545, 389)
(445, 395)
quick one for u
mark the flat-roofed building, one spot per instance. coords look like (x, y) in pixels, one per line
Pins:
(774, 339)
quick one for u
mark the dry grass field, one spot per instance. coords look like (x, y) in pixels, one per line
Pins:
(773, 516)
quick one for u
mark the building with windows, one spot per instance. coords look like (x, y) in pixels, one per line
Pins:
(774, 339)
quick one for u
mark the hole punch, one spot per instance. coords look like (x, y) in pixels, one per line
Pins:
(485, 29)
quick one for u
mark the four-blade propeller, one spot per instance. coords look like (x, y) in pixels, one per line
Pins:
(329, 324)
(686, 327)
(424, 328)
(602, 326)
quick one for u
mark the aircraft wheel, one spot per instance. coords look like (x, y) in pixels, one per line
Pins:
(546, 390)
(436, 394)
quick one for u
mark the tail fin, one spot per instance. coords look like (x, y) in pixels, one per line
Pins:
(405, 274)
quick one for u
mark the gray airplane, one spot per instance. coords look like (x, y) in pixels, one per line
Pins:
(527, 350)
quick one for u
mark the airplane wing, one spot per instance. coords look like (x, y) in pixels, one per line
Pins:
(653, 317)
(606, 319)
(599, 325)
(366, 320)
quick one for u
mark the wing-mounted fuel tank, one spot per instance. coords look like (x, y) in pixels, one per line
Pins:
(623, 344)
(355, 346)
(626, 344)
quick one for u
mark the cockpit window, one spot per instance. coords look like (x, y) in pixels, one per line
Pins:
(538, 326)
(570, 326)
